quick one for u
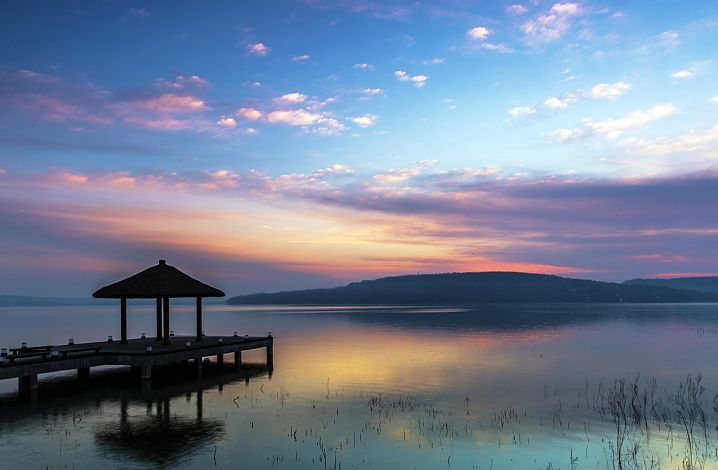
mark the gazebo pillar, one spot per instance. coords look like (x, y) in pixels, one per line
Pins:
(123, 320)
(199, 319)
(166, 320)
(159, 319)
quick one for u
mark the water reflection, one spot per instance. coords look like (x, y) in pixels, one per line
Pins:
(158, 438)
(156, 426)
(406, 387)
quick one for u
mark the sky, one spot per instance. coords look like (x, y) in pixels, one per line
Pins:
(264, 146)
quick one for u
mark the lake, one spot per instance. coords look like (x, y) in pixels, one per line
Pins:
(508, 386)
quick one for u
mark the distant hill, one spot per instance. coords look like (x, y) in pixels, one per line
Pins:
(700, 284)
(473, 288)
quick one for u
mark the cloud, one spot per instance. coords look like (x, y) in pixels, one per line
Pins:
(689, 142)
(401, 75)
(522, 111)
(419, 81)
(516, 9)
(364, 66)
(37, 76)
(293, 98)
(304, 118)
(552, 25)
(170, 103)
(372, 91)
(301, 58)
(181, 82)
(478, 33)
(140, 13)
(227, 122)
(683, 74)
(661, 43)
(258, 49)
(449, 217)
(71, 178)
(434, 61)
(609, 91)
(713, 100)
(613, 128)
(560, 103)
(367, 120)
(61, 101)
(477, 37)
(250, 114)
(490, 46)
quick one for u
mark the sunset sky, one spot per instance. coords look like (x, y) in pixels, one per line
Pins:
(311, 143)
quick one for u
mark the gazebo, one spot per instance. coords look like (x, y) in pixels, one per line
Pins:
(160, 282)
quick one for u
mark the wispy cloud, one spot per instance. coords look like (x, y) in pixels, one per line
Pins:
(181, 82)
(693, 141)
(372, 91)
(140, 13)
(516, 9)
(364, 66)
(522, 111)
(613, 128)
(552, 25)
(609, 91)
(301, 58)
(683, 74)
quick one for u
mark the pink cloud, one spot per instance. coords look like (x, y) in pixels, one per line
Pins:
(251, 114)
(171, 103)
(184, 81)
(474, 216)
(227, 122)
(258, 49)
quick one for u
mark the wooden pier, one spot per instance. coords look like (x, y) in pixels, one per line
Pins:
(142, 354)
(161, 282)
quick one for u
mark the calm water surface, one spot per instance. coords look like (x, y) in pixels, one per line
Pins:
(485, 387)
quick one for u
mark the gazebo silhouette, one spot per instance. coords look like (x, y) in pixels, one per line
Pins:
(161, 282)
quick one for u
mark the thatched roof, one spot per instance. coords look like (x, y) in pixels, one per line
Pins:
(161, 280)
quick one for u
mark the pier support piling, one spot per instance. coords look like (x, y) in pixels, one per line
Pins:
(146, 372)
(220, 359)
(238, 359)
(27, 383)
